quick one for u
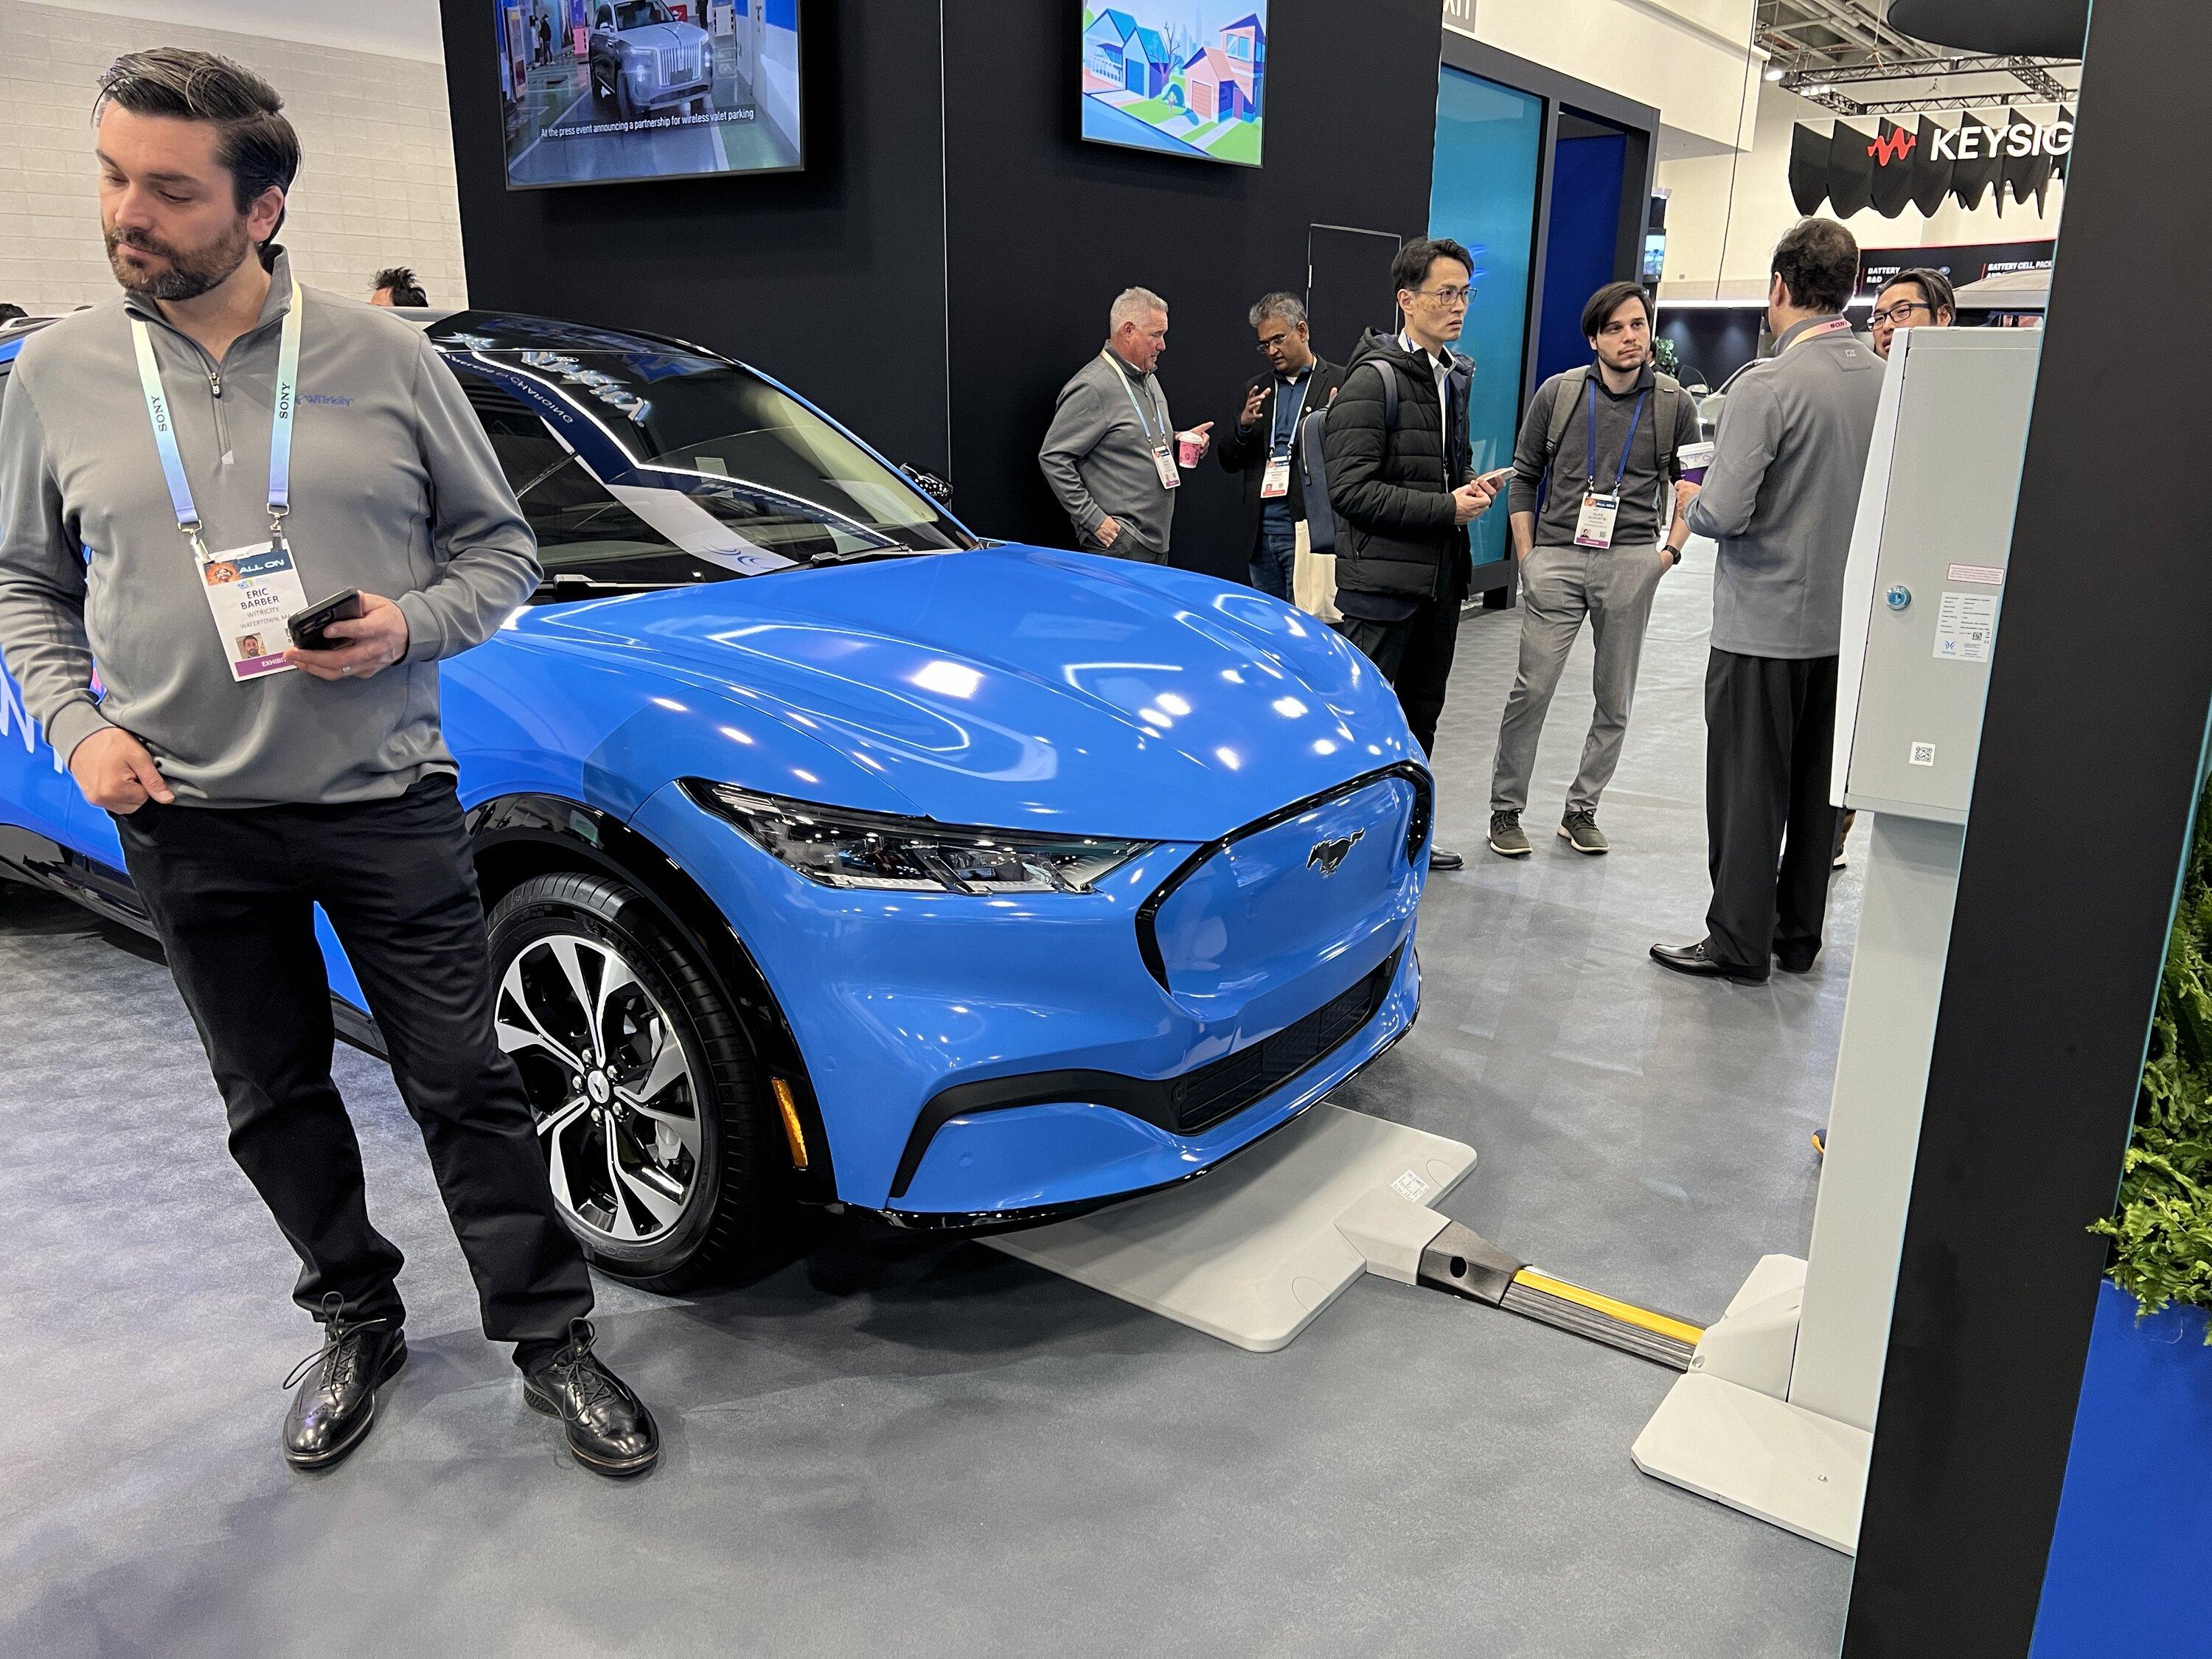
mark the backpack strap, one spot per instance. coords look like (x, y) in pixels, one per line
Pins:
(1564, 402)
(1667, 410)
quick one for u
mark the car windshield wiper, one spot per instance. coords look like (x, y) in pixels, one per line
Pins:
(860, 554)
(568, 584)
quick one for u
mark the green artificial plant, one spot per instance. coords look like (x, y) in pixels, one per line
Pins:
(2161, 1232)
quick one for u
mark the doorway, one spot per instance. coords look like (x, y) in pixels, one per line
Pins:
(1348, 286)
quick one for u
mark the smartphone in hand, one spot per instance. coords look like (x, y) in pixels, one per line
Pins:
(306, 627)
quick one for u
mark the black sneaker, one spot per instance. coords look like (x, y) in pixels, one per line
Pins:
(609, 1430)
(335, 1406)
(1580, 831)
(1506, 838)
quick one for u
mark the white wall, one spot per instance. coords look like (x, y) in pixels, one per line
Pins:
(376, 189)
(1747, 205)
(1691, 60)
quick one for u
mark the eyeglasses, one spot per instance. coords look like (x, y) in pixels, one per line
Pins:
(1901, 311)
(1450, 296)
(1273, 342)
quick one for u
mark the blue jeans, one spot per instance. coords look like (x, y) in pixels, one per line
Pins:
(1276, 556)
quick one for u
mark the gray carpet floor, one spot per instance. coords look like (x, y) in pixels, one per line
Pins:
(926, 1448)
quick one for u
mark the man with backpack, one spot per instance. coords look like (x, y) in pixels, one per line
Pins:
(1607, 437)
(1402, 487)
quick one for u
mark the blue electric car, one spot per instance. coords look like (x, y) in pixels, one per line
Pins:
(836, 855)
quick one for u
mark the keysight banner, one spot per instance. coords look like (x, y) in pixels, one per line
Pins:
(1894, 168)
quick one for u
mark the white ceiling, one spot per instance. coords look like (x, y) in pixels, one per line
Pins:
(398, 28)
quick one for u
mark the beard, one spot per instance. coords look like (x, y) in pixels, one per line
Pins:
(189, 272)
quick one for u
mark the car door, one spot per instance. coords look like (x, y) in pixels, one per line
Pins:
(35, 793)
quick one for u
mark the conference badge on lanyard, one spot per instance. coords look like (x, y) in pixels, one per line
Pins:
(249, 589)
(1164, 445)
(1600, 508)
(1275, 482)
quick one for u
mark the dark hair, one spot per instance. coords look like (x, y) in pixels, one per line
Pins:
(9, 311)
(1410, 268)
(405, 290)
(254, 142)
(1818, 262)
(1935, 287)
(1608, 300)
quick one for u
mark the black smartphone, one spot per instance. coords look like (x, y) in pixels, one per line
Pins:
(306, 627)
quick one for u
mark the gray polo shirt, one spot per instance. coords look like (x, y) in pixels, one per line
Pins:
(395, 491)
(1096, 456)
(1783, 493)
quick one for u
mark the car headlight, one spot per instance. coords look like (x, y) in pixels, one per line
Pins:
(842, 848)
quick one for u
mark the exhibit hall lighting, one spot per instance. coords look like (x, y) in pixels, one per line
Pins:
(1776, 1414)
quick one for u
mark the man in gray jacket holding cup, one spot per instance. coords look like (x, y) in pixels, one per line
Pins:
(1112, 454)
(1780, 498)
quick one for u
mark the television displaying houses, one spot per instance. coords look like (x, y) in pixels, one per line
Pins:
(1180, 77)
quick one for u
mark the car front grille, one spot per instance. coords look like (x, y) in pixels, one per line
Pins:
(1227, 1086)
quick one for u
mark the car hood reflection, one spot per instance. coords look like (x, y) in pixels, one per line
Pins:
(1020, 686)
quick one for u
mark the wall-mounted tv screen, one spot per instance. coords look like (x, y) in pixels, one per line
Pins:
(1185, 77)
(604, 91)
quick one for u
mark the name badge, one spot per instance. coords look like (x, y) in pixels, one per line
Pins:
(1595, 527)
(1275, 482)
(1163, 458)
(250, 591)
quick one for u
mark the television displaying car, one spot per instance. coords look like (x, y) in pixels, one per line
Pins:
(608, 91)
(836, 855)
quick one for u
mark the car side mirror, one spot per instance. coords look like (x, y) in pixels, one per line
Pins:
(930, 485)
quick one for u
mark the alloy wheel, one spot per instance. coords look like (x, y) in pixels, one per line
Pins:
(609, 1084)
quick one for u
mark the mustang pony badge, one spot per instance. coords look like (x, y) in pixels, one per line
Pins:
(1330, 853)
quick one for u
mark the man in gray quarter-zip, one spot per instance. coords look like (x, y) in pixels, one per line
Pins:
(181, 471)
(1780, 499)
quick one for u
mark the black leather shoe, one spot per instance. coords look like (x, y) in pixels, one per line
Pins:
(1440, 860)
(336, 1402)
(609, 1428)
(1691, 959)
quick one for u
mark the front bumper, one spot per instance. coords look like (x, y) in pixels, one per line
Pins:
(976, 1058)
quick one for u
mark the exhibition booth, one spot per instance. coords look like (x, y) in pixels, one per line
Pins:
(1069, 1172)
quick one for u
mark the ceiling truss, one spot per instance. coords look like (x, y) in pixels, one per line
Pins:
(1823, 48)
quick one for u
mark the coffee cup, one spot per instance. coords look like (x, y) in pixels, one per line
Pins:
(1190, 447)
(1695, 458)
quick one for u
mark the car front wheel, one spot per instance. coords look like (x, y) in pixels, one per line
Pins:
(650, 1107)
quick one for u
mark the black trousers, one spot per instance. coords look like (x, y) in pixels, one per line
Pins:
(1415, 656)
(1769, 736)
(233, 893)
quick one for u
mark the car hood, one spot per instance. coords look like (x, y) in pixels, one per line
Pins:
(1009, 686)
(661, 36)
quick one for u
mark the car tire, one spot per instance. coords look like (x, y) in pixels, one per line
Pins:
(703, 1149)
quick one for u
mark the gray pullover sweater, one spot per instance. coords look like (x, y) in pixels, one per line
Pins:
(1572, 470)
(1095, 458)
(1783, 494)
(395, 491)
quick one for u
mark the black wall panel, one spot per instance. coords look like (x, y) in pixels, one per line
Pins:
(835, 279)
(832, 279)
(1045, 230)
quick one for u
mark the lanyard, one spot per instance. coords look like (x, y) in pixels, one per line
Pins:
(1634, 421)
(280, 429)
(1834, 325)
(1160, 441)
(1275, 436)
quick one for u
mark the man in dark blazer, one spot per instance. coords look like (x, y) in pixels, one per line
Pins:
(1260, 445)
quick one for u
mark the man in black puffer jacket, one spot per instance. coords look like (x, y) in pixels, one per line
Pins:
(1404, 489)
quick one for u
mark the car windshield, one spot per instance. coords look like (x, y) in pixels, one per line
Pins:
(715, 471)
(636, 14)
